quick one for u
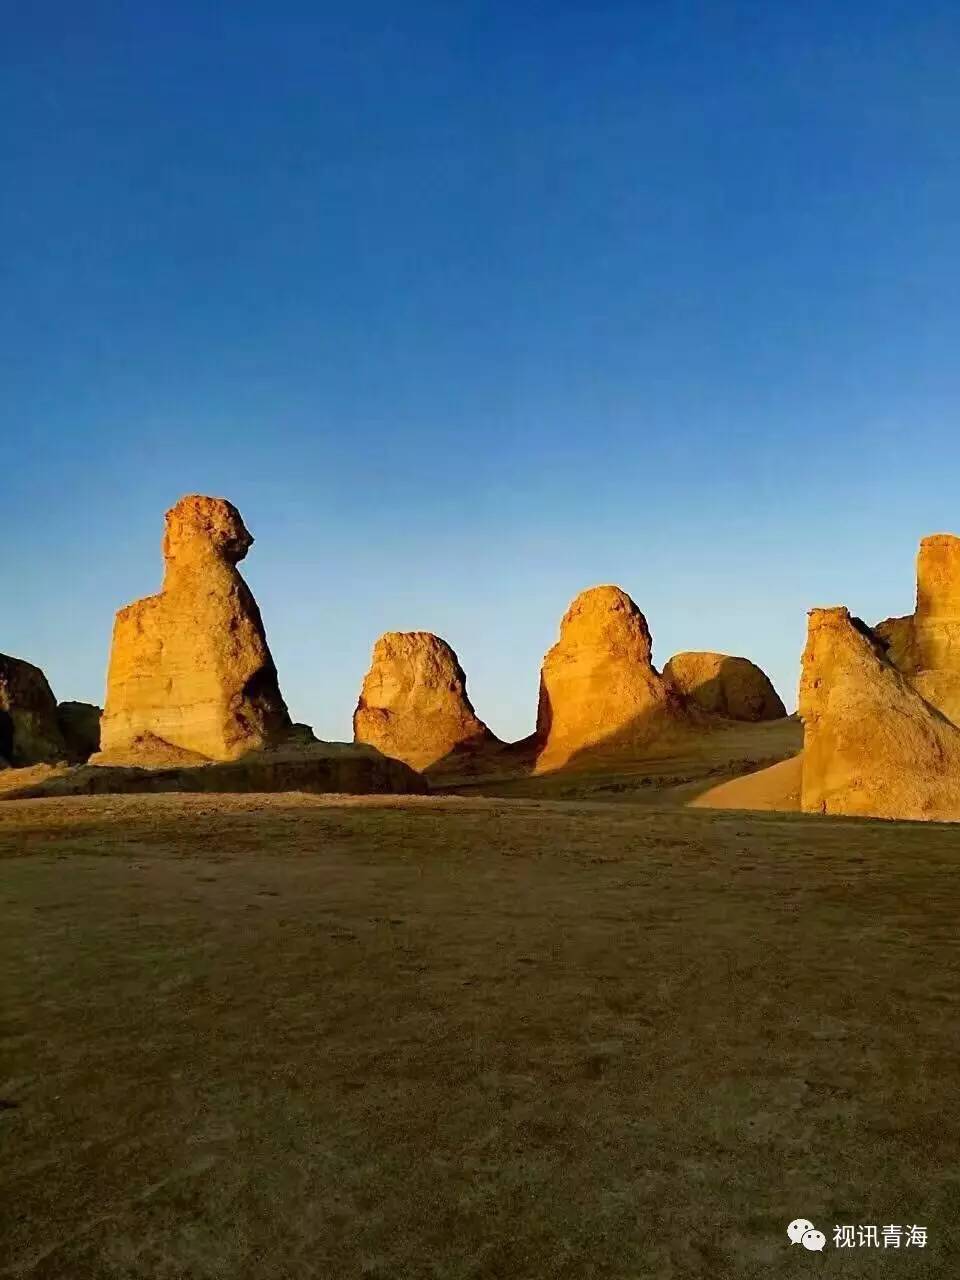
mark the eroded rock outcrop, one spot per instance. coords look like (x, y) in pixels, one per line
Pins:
(872, 745)
(80, 726)
(734, 688)
(190, 667)
(599, 690)
(925, 645)
(414, 706)
(29, 733)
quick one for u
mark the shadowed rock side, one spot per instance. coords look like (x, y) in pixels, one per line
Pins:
(925, 645)
(29, 732)
(735, 688)
(414, 706)
(80, 726)
(191, 667)
(599, 690)
(872, 745)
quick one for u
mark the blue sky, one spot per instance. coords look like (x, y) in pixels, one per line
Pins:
(470, 306)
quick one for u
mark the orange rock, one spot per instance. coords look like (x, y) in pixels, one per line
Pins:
(925, 645)
(191, 666)
(413, 705)
(735, 688)
(872, 745)
(599, 689)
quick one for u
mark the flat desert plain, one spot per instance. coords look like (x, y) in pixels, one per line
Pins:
(461, 1036)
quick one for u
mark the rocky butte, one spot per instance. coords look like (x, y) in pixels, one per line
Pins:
(872, 745)
(734, 688)
(925, 645)
(599, 689)
(80, 725)
(413, 704)
(190, 667)
(29, 730)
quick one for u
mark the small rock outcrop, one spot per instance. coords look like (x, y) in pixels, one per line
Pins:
(80, 727)
(872, 745)
(599, 689)
(190, 667)
(413, 704)
(29, 732)
(925, 645)
(734, 688)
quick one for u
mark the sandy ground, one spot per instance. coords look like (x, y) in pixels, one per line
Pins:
(285, 1036)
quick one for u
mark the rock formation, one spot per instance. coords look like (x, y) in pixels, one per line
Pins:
(29, 733)
(735, 688)
(599, 690)
(80, 726)
(872, 745)
(925, 645)
(190, 667)
(413, 705)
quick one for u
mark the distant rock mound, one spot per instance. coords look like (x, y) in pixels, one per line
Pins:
(734, 688)
(414, 706)
(925, 645)
(191, 667)
(872, 745)
(29, 732)
(80, 726)
(599, 690)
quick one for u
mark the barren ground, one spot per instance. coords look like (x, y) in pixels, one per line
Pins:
(262, 1037)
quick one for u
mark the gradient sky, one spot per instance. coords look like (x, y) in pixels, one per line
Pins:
(468, 306)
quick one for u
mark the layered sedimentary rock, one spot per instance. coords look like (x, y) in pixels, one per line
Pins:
(413, 705)
(872, 745)
(190, 667)
(29, 732)
(925, 645)
(599, 690)
(80, 726)
(735, 688)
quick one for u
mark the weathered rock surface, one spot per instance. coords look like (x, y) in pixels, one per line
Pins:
(925, 645)
(413, 704)
(29, 732)
(323, 768)
(872, 745)
(80, 726)
(190, 666)
(735, 688)
(599, 690)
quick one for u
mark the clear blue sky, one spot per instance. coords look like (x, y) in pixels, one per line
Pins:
(468, 306)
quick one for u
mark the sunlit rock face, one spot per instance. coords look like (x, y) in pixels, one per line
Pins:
(414, 705)
(925, 645)
(872, 745)
(190, 667)
(734, 688)
(599, 690)
(29, 732)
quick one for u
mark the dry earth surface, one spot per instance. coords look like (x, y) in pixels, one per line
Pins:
(456, 1037)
